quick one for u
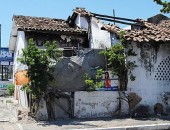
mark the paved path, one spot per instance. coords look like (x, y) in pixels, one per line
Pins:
(99, 124)
(7, 122)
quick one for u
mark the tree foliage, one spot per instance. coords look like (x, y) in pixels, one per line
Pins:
(40, 67)
(165, 6)
(93, 84)
(118, 63)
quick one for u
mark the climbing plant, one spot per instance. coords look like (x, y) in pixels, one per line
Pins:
(40, 67)
(117, 61)
(116, 57)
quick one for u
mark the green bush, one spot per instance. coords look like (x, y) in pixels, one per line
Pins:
(10, 88)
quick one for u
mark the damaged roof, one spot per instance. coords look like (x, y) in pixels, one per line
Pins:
(150, 32)
(82, 12)
(29, 23)
(147, 32)
(165, 23)
(112, 28)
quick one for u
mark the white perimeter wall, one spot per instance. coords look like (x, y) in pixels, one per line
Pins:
(95, 104)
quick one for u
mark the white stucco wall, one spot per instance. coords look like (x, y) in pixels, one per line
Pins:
(100, 39)
(20, 44)
(17, 66)
(22, 100)
(95, 104)
(150, 84)
(61, 109)
(81, 22)
(42, 111)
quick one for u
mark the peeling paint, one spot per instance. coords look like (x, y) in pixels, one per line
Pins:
(95, 104)
(151, 74)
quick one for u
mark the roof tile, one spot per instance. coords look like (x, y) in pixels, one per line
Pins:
(44, 24)
(82, 12)
(149, 32)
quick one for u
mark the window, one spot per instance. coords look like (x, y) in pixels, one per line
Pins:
(6, 72)
(69, 51)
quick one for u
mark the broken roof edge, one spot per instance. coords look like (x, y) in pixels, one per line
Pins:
(82, 12)
(112, 28)
(143, 30)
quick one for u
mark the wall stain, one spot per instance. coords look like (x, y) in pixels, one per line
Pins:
(148, 55)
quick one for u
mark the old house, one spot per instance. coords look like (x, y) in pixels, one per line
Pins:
(95, 103)
(42, 30)
(150, 43)
(78, 56)
(81, 37)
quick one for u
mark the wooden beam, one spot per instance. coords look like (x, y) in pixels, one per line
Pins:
(117, 21)
(107, 16)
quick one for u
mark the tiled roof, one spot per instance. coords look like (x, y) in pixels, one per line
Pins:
(82, 12)
(150, 32)
(111, 28)
(165, 23)
(44, 24)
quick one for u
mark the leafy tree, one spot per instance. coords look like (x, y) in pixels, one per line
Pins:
(40, 67)
(165, 6)
(116, 61)
(116, 56)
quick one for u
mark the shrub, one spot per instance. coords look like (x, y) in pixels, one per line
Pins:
(10, 88)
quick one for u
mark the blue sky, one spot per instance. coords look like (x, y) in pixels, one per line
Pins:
(63, 8)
